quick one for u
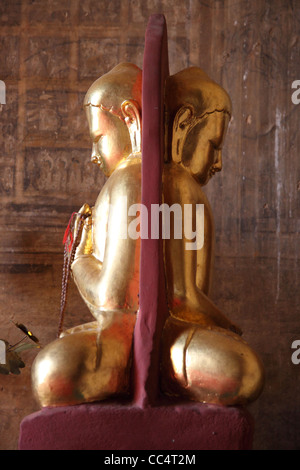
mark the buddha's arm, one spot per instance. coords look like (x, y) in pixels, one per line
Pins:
(205, 255)
(111, 285)
(108, 278)
(186, 300)
(189, 271)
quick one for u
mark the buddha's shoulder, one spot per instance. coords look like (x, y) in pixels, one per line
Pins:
(125, 181)
(129, 168)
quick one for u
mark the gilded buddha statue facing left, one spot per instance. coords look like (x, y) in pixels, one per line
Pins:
(92, 361)
(203, 356)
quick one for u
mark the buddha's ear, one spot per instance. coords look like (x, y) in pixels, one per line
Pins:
(181, 125)
(132, 114)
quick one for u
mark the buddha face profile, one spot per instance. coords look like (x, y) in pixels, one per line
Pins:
(198, 115)
(114, 123)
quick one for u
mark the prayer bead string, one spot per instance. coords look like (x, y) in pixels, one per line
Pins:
(70, 246)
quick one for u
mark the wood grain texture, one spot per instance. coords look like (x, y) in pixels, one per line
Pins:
(51, 51)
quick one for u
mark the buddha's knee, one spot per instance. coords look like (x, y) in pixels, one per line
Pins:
(88, 365)
(210, 365)
(57, 370)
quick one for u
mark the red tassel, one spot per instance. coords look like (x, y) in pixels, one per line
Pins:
(68, 233)
(71, 243)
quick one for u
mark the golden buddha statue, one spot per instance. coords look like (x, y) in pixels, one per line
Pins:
(92, 361)
(203, 355)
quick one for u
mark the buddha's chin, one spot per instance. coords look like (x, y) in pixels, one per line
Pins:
(204, 179)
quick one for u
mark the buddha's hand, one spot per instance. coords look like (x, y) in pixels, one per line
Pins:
(83, 229)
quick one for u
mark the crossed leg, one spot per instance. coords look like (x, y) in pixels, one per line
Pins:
(87, 363)
(210, 365)
(92, 362)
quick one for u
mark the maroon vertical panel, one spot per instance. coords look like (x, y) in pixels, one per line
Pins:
(153, 304)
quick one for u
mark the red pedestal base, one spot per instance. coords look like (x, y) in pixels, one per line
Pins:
(113, 426)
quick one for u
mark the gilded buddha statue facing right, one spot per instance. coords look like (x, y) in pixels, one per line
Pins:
(204, 357)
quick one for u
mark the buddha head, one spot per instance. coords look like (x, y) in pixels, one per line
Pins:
(113, 106)
(198, 111)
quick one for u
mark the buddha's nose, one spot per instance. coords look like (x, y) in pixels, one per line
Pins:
(218, 161)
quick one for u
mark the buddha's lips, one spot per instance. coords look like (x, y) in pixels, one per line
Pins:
(97, 161)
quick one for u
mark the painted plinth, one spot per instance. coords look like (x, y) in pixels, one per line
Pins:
(128, 427)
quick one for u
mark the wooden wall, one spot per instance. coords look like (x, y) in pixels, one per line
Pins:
(50, 52)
